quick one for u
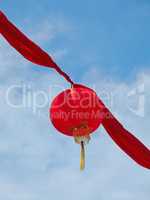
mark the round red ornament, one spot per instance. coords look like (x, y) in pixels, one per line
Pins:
(77, 112)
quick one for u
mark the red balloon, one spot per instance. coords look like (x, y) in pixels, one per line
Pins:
(76, 111)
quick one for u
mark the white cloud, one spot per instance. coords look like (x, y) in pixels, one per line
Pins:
(51, 28)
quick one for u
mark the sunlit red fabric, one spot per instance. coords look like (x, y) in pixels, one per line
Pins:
(124, 139)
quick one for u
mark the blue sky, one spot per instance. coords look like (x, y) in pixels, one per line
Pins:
(104, 44)
(111, 34)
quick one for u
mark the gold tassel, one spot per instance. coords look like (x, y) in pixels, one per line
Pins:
(82, 140)
(82, 157)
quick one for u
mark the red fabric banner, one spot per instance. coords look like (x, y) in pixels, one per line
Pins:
(125, 140)
(26, 47)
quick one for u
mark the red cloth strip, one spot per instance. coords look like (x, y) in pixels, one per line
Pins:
(125, 140)
(26, 47)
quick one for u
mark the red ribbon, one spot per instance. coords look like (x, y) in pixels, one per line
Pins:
(125, 140)
(32, 52)
(26, 47)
